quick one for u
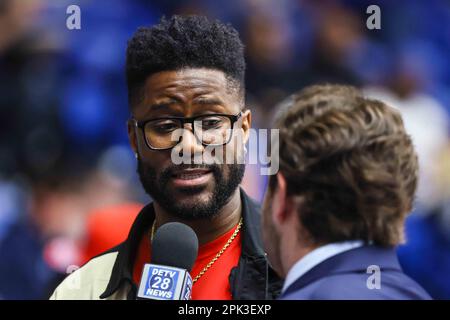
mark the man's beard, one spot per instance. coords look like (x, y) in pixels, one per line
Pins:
(157, 188)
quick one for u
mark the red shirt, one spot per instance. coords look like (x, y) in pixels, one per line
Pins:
(214, 284)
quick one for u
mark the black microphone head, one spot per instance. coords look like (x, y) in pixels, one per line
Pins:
(176, 245)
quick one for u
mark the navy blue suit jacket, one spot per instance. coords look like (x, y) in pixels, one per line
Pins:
(344, 276)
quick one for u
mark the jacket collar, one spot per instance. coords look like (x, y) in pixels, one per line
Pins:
(351, 261)
(123, 267)
(252, 243)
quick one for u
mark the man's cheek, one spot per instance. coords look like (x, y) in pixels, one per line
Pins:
(267, 237)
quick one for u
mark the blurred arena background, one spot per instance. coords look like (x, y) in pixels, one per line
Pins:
(68, 186)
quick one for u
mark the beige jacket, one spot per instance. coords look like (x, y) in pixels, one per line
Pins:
(90, 281)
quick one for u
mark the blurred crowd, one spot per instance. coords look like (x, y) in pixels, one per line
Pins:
(68, 183)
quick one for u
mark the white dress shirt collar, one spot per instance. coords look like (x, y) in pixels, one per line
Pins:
(317, 256)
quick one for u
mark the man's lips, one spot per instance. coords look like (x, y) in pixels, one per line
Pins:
(191, 177)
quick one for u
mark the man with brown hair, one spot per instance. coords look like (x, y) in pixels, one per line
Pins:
(335, 211)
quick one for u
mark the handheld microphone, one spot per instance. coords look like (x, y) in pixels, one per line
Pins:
(174, 250)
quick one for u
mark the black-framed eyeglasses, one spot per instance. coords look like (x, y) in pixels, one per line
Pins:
(209, 129)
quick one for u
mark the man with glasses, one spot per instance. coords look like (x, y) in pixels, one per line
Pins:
(186, 93)
(165, 133)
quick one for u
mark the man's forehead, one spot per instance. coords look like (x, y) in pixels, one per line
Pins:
(189, 79)
(191, 88)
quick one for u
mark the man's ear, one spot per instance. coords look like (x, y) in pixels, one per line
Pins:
(132, 135)
(246, 124)
(279, 204)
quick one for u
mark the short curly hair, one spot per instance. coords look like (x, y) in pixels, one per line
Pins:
(181, 42)
(351, 163)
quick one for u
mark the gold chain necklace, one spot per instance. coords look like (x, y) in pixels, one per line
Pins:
(217, 256)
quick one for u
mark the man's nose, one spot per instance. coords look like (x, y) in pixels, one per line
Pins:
(189, 143)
